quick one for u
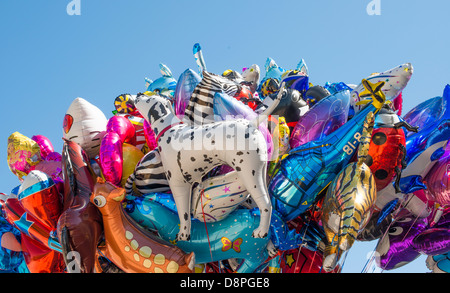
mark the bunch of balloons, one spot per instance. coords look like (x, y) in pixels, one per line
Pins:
(343, 164)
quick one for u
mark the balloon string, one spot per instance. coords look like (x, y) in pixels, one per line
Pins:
(372, 257)
(300, 248)
(206, 228)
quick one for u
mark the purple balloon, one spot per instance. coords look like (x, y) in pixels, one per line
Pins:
(435, 240)
(396, 248)
(322, 119)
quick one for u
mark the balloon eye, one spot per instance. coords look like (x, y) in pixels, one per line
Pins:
(100, 201)
(395, 231)
(67, 124)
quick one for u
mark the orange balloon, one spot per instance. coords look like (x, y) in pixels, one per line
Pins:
(129, 247)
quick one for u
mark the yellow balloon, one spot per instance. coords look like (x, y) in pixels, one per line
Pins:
(131, 156)
(23, 154)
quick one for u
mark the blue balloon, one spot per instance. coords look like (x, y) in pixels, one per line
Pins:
(165, 84)
(229, 238)
(427, 145)
(310, 168)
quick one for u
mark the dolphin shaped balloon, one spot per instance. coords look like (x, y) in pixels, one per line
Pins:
(211, 241)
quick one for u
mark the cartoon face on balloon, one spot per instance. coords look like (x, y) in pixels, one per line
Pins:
(396, 248)
(85, 124)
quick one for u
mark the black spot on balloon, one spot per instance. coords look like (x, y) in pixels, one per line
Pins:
(379, 138)
(381, 174)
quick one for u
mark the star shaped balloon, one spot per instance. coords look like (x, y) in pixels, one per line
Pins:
(374, 91)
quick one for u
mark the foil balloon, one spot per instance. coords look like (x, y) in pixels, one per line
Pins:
(321, 119)
(165, 85)
(396, 249)
(226, 108)
(314, 94)
(40, 197)
(272, 70)
(199, 60)
(348, 202)
(291, 106)
(131, 248)
(209, 241)
(423, 149)
(85, 124)
(144, 138)
(251, 77)
(310, 168)
(52, 168)
(295, 79)
(439, 263)
(216, 197)
(395, 80)
(148, 176)
(80, 225)
(435, 239)
(387, 150)
(11, 255)
(437, 180)
(23, 154)
(427, 112)
(131, 157)
(302, 67)
(45, 145)
(397, 104)
(119, 130)
(186, 84)
(281, 134)
(200, 108)
(42, 251)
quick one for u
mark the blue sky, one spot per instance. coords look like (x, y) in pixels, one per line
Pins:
(49, 58)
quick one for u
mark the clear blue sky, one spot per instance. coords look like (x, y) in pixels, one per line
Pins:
(49, 58)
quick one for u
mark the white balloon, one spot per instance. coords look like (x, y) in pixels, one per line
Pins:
(85, 124)
(395, 80)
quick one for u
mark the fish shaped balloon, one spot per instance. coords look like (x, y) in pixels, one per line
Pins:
(209, 241)
(395, 80)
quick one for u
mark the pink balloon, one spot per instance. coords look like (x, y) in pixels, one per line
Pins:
(438, 179)
(150, 136)
(111, 157)
(119, 130)
(52, 168)
(44, 144)
(54, 156)
(122, 126)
